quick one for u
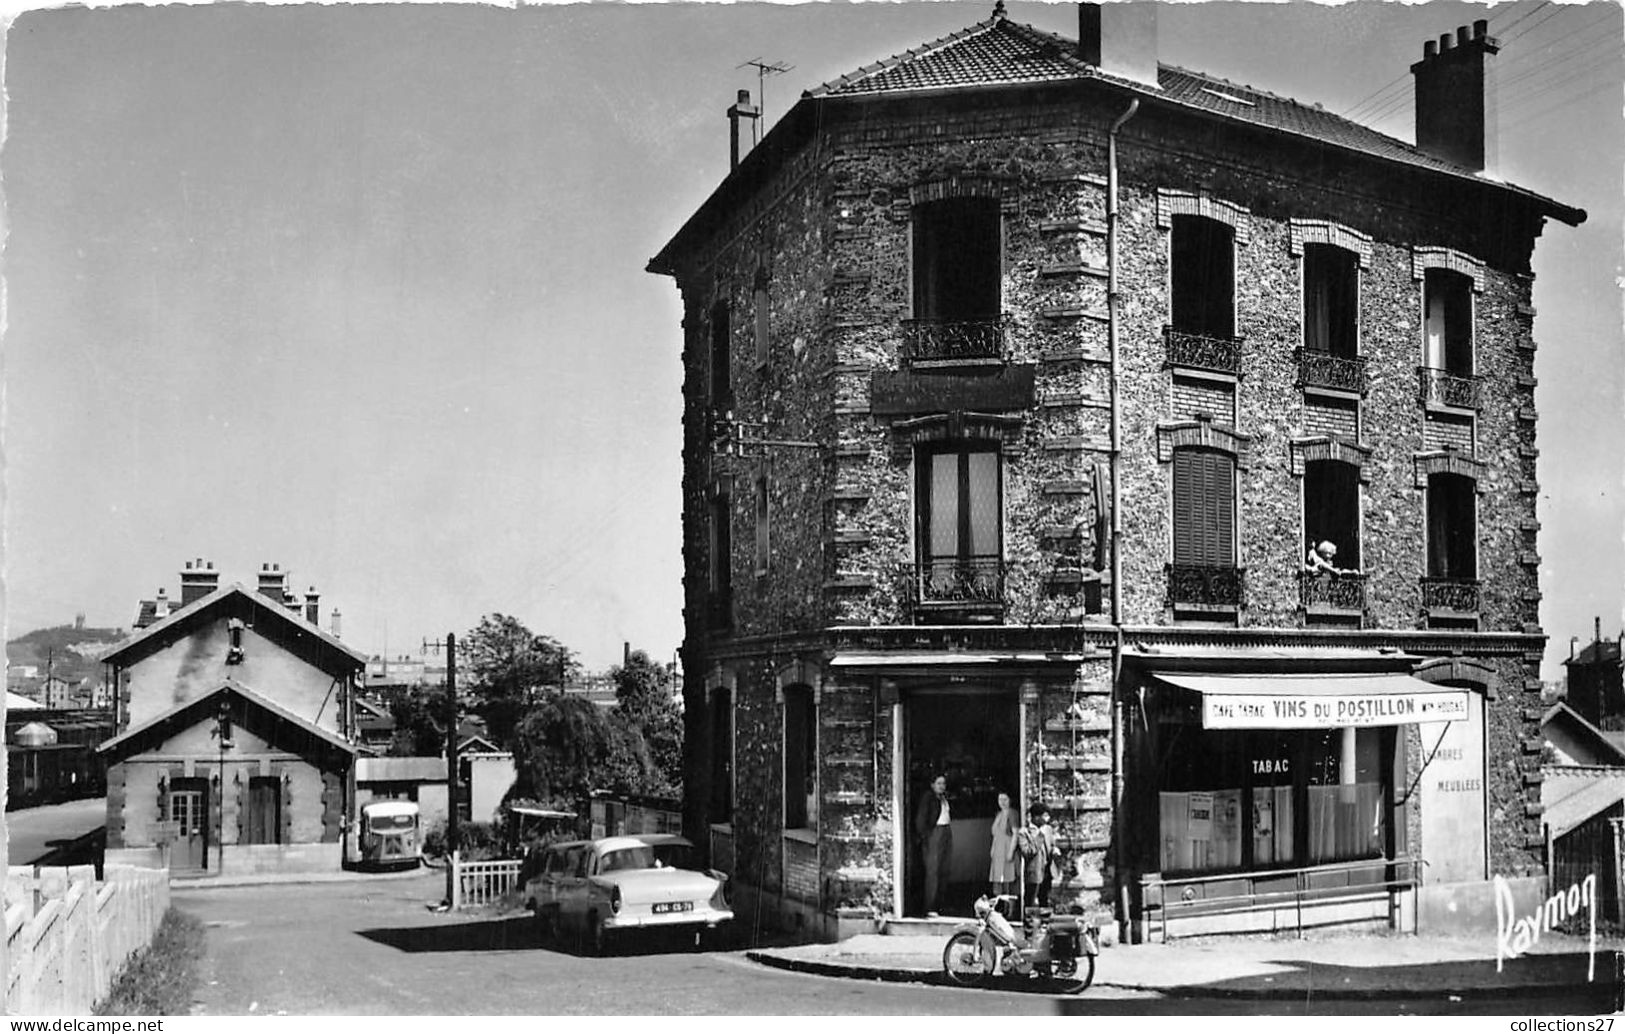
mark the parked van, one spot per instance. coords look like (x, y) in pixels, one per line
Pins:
(389, 834)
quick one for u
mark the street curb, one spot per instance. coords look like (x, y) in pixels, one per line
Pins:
(295, 879)
(1194, 991)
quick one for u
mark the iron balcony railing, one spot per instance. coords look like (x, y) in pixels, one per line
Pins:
(960, 581)
(1323, 593)
(1206, 586)
(1203, 351)
(950, 340)
(1455, 595)
(1334, 372)
(1441, 388)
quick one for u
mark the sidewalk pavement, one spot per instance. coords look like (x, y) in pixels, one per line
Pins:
(252, 879)
(1375, 966)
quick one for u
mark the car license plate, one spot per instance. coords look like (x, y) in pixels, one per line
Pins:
(663, 907)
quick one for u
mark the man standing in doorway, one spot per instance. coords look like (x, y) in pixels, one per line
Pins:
(931, 823)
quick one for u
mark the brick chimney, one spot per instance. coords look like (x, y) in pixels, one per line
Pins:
(313, 611)
(198, 580)
(333, 624)
(161, 606)
(1120, 39)
(1456, 98)
(741, 109)
(272, 582)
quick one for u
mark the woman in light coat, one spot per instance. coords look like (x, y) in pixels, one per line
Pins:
(1006, 868)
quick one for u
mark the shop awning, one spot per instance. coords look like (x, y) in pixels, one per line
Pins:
(1275, 701)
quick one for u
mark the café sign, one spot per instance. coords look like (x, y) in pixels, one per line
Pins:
(1330, 710)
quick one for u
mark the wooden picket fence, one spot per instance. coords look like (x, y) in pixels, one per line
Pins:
(68, 935)
(476, 884)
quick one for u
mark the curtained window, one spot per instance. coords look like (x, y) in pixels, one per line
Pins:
(1452, 526)
(1331, 278)
(1448, 305)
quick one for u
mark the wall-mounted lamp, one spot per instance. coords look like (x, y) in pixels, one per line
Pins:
(234, 629)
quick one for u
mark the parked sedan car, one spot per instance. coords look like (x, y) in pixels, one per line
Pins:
(602, 889)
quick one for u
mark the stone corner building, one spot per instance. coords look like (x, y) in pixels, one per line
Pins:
(1022, 373)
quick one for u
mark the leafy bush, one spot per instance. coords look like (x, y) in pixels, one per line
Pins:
(477, 841)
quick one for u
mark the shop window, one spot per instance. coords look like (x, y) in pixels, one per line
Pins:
(1447, 300)
(1331, 279)
(1452, 504)
(1204, 508)
(800, 759)
(1240, 800)
(720, 582)
(1331, 509)
(957, 259)
(264, 824)
(721, 360)
(762, 537)
(960, 524)
(722, 756)
(1203, 256)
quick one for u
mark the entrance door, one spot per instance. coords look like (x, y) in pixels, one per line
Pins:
(973, 738)
(189, 813)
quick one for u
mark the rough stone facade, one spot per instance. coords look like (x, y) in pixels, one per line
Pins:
(824, 221)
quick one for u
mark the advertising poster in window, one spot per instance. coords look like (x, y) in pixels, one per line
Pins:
(1452, 791)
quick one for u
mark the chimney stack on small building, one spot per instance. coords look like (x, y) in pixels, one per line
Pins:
(273, 582)
(1120, 39)
(1456, 103)
(312, 611)
(198, 579)
(742, 108)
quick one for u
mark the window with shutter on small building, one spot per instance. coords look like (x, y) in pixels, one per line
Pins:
(1203, 256)
(1204, 508)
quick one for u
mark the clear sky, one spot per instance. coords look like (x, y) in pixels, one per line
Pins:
(360, 289)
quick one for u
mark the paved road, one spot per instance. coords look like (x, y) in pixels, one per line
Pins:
(374, 948)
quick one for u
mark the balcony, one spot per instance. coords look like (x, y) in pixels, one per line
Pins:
(1203, 352)
(954, 341)
(1331, 372)
(959, 583)
(1451, 598)
(1201, 587)
(1332, 595)
(1441, 388)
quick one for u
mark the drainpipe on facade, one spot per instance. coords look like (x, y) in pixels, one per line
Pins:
(1117, 852)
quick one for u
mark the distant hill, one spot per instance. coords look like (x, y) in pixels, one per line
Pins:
(71, 651)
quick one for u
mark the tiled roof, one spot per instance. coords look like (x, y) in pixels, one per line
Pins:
(989, 52)
(1606, 651)
(1002, 52)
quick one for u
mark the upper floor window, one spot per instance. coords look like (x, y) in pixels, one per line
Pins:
(721, 361)
(957, 259)
(1203, 258)
(760, 313)
(1452, 502)
(762, 538)
(800, 759)
(1331, 510)
(960, 495)
(1447, 301)
(720, 581)
(1204, 508)
(1331, 288)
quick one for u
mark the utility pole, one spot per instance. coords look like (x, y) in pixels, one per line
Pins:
(451, 763)
(223, 736)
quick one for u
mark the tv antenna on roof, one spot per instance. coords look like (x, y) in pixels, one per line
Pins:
(763, 70)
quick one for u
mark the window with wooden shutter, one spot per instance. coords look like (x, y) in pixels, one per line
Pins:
(1204, 508)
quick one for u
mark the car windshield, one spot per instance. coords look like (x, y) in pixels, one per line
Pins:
(628, 858)
(391, 823)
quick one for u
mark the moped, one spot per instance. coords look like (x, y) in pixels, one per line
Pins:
(1061, 948)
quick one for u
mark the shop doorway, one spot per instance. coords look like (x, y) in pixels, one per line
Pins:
(973, 738)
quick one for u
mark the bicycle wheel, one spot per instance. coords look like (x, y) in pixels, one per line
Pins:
(962, 959)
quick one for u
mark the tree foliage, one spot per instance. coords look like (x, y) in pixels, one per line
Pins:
(566, 747)
(506, 668)
(644, 701)
(420, 722)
